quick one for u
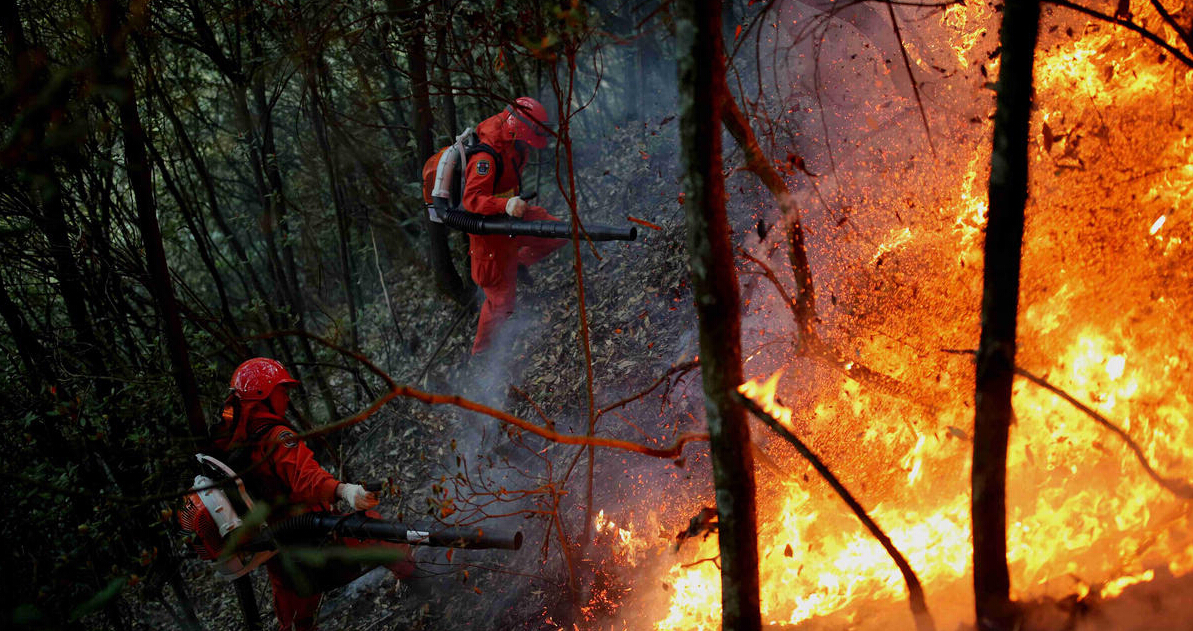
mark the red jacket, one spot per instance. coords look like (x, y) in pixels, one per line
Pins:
(482, 187)
(288, 470)
(291, 471)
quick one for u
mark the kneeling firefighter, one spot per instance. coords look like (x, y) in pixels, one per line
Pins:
(254, 436)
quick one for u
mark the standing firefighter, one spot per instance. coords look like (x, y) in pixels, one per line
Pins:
(282, 471)
(493, 185)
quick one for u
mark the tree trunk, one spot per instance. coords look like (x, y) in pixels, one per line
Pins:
(714, 287)
(31, 158)
(204, 248)
(445, 74)
(32, 355)
(447, 278)
(1000, 307)
(233, 72)
(274, 195)
(336, 186)
(137, 165)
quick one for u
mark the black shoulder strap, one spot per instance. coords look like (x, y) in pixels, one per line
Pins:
(240, 456)
(480, 147)
(266, 428)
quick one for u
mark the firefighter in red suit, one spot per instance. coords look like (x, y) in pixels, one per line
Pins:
(287, 476)
(492, 188)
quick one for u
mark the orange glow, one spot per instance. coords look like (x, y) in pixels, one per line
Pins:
(1116, 587)
(1103, 316)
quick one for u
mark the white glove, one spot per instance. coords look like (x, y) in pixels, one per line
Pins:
(515, 206)
(356, 496)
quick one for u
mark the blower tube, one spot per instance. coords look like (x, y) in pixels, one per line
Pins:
(312, 527)
(474, 223)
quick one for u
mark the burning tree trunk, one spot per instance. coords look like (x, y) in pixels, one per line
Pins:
(714, 286)
(1000, 306)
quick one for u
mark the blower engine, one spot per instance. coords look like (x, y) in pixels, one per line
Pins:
(208, 516)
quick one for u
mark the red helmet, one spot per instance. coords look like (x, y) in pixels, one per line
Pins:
(255, 379)
(526, 120)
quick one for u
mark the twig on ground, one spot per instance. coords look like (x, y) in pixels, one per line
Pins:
(463, 310)
(678, 368)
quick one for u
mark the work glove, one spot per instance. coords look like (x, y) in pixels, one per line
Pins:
(356, 496)
(515, 206)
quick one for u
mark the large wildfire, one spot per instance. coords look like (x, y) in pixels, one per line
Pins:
(1104, 316)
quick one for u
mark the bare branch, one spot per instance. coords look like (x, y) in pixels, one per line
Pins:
(759, 165)
(1127, 24)
(915, 87)
(678, 368)
(919, 607)
(811, 345)
(1181, 32)
(395, 390)
(1180, 488)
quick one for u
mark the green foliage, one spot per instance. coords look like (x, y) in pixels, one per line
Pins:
(26, 615)
(99, 600)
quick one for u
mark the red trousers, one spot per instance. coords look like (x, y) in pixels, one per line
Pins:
(296, 612)
(495, 261)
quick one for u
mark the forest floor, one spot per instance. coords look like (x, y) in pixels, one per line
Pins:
(641, 323)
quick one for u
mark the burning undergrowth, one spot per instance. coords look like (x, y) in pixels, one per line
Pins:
(896, 238)
(894, 227)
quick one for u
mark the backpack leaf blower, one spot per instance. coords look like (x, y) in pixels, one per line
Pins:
(217, 533)
(448, 190)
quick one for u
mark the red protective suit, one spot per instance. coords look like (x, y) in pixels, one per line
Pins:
(289, 475)
(495, 258)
